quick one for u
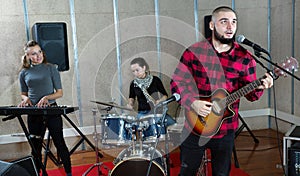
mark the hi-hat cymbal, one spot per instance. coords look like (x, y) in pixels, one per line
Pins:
(112, 105)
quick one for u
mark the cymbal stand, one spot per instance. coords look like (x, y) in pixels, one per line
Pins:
(98, 164)
(203, 169)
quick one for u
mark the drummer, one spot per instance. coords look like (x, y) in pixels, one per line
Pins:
(146, 88)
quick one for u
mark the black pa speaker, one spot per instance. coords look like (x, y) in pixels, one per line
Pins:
(23, 167)
(207, 31)
(52, 38)
(28, 164)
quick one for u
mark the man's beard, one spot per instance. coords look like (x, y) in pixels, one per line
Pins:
(221, 38)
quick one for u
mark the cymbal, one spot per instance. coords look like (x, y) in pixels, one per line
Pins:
(112, 105)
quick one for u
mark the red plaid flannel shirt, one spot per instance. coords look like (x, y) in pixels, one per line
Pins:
(202, 70)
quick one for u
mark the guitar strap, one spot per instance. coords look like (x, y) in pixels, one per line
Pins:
(144, 84)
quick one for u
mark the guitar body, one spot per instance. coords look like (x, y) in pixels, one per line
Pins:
(221, 110)
(214, 120)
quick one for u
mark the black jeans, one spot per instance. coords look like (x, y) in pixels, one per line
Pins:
(192, 150)
(37, 127)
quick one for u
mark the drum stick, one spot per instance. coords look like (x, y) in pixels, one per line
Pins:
(134, 113)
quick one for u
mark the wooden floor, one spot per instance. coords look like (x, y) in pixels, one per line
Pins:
(257, 159)
(262, 158)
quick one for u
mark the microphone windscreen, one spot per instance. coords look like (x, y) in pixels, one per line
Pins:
(240, 38)
(177, 96)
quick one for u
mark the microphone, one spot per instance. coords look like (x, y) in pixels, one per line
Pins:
(242, 39)
(174, 97)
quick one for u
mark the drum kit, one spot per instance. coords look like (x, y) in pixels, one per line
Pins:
(141, 135)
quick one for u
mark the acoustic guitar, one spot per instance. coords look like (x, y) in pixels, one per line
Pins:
(222, 100)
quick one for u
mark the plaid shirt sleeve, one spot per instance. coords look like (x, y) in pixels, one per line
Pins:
(183, 80)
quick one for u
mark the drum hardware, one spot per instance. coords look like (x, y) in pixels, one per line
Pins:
(138, 156)
(153, 125)
(203, 169)
(137, 133)
(112, 105)
(141, 157)
(164, 126)
(98, 164)
(137, 161)
(107, 109)
(116, 129)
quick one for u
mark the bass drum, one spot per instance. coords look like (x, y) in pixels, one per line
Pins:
(136, 162)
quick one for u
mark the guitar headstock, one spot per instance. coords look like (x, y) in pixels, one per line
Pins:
(290, 64)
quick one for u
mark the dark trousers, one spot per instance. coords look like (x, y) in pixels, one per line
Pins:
(192, 150)
(37, 127)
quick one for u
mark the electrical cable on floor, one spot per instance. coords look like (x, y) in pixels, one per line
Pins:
(245, 135)
(257, 150)
(277, 130)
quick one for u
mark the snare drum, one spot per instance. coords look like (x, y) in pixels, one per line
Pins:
(130, 162)
(115, 130)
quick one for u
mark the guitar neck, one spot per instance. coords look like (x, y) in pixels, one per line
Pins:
(241, 92)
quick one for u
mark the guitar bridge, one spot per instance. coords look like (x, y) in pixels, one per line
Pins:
(202, 120)
(216, 108)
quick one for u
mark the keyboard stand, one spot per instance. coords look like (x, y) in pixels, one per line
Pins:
(46, 145)
(49, 154)
(27, 135)
(83, 138)
(11, 112)
(57, 160)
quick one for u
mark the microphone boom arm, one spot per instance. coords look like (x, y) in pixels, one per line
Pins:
(258, 54)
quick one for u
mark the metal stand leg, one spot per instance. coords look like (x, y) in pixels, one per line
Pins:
(236, 162)
(203, 169)
(244, 125)
(43, 167)
(98, 164)
(238, 131)
(48, 152)
(83, 138)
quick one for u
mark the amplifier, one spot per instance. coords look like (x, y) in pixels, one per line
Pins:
(294, 161)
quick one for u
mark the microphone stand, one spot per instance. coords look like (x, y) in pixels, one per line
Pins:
(163, 126)
(259, 55)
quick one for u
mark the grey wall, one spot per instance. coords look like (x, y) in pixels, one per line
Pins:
(102, 79)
